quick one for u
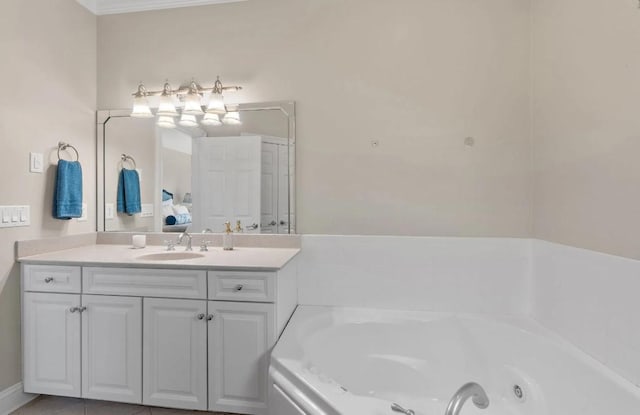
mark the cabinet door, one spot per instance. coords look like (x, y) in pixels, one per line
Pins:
(112, 348)
(240, 337)
(51, 342)
(175, 353)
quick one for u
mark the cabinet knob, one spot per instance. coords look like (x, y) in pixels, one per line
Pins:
(201, 316)
(83, 309)
(74, 309)
(48, 280)
(210, 317)
(239, 287)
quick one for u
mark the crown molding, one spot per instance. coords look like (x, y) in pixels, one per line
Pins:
(102, 7)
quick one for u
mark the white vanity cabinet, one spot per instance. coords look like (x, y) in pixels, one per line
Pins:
(181, 338)
(175, 353)
(51, 343)
(111, 348)
(240, 338)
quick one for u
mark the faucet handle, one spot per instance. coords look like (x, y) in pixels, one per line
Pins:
(171, 245)
(204, 246)
(397, 408)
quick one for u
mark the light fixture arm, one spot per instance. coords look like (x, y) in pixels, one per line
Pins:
(217, 88)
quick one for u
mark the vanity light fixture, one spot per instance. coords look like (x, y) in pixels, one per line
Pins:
(211, 119)
(141, 104)
(190, 98)
(232, 118)
(167, 106)
(188, 120)
(166, 122)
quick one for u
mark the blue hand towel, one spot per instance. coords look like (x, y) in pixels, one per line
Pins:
(129, 192)
(67, 197)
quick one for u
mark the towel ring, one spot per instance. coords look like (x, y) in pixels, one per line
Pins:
(126, 158)
(64, 146)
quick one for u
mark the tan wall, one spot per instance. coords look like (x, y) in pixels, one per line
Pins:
(48, 50)
(176, 173)
(586, 97)
(417, 75)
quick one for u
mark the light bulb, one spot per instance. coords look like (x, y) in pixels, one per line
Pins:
(211, 119)
(192, 105)
(166, 122)
(167, 108)
(141, 108)
(188, 120)
(232, 118)
(216, 104)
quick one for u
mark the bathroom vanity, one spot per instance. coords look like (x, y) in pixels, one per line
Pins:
(156, 328)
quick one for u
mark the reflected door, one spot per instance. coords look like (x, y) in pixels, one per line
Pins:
(226, 182)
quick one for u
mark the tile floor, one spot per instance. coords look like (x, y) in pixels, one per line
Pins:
(55, 405)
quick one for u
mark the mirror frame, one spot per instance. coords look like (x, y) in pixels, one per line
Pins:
(288, 108)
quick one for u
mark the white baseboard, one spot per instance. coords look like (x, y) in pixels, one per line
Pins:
(13, 398)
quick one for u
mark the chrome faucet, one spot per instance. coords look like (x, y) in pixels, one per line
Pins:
(470, 390)
(181, 237)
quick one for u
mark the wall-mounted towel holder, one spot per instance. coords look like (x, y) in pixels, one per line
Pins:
(130, 159)
(64, 146)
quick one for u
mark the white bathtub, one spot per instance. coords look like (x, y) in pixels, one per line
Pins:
(358, 361)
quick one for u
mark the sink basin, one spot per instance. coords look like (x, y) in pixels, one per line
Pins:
(170, 256)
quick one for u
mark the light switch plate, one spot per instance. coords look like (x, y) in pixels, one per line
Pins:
(15, 216)
(36, 163)
(147, 210)
(109, 211)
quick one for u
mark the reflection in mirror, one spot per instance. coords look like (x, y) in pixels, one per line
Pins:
(197, 178)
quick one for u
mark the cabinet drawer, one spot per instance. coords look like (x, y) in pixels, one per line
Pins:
(145, 282)
(242, 286)
(51, 278)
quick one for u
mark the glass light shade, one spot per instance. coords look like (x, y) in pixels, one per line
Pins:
(211, 119)
(216, 104)
(188, 120)
(141, 108)
(166, 122)
(192, 105)
(167, 108)
(232, 118)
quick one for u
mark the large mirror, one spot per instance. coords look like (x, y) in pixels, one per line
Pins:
(197, 178)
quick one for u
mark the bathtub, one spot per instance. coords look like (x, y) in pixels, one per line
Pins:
(333, 361)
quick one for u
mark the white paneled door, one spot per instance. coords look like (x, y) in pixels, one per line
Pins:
(226, 182)
(51, 337)
(240, 335)
(112, 348)
(175, 353)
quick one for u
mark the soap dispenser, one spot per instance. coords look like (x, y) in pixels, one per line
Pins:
(227, 238)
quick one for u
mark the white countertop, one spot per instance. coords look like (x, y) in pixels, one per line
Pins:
(243, 258)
